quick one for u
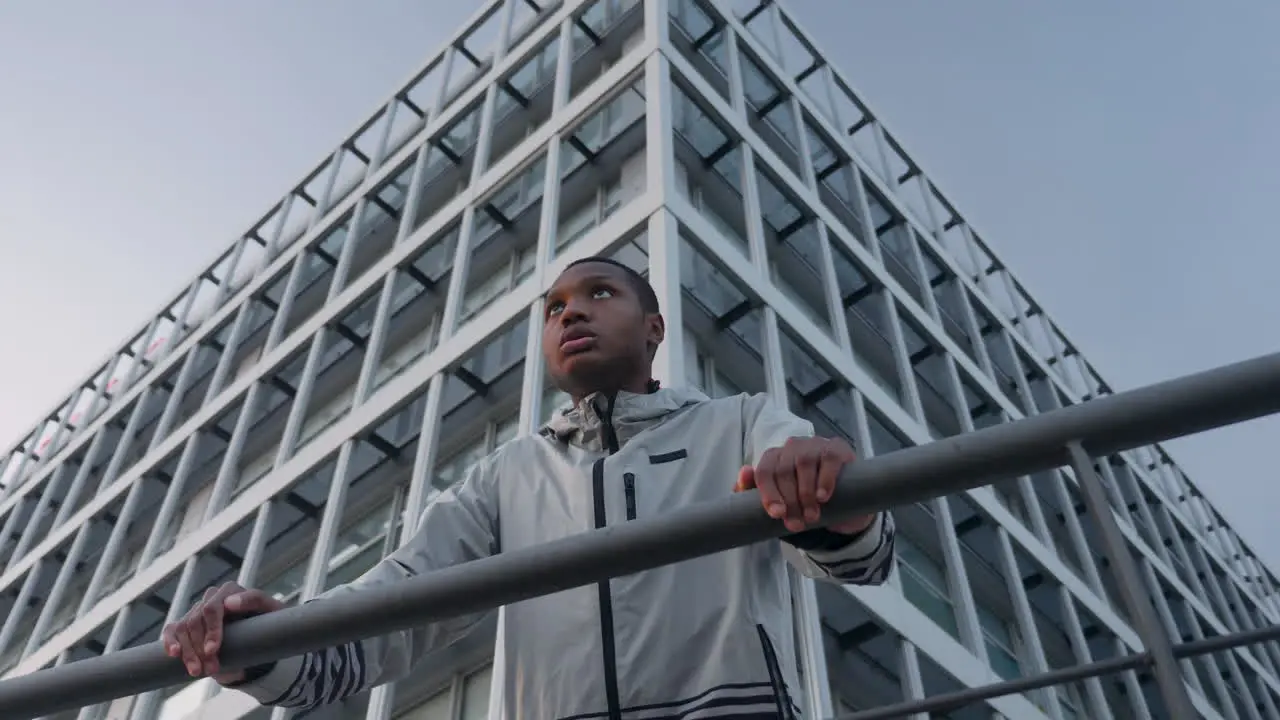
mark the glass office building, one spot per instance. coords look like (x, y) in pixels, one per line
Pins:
(283, 421)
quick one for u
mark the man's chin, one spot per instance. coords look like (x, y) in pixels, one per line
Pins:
(584, 365)
(587, 372)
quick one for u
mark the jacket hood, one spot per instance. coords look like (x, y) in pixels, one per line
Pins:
(584, 424)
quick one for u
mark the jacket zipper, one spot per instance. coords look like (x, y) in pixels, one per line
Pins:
(780, 694)
(606, 598)
(629, 485)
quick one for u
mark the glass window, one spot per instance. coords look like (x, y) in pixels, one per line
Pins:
(700, 35)
(288, 582)
(802, 61)
(475, 694)
(553, 401)
(981, 408)
(701, 371)
(907, 181)
(376, 232)
(1042, 390)
(1067, 704)
(474, 54)
(359, 547)
(604, 33)
(727, 323)
(602, 166)
(709, 167)
(924, 583)
(493, 435)
(523, 100)
(504, 239)
(456, 468)
(950, 298)
(417, 306)
(867, 320)
(929, 363)
(526, 17)
(815, 392)
(1003, 365)
(884, 437)
(770, 112)
(506, 430)
(998, 636)
(837, 180)
(437, 707)
(448, 165)
(793, 245)
(897, 245)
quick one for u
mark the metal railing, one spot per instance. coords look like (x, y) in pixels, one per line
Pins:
(1070, 436)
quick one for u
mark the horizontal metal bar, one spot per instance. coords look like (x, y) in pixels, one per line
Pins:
(1218, 643)
(1158, 412)
(961, 698)
(969, 696)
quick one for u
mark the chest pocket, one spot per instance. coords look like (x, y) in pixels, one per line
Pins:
(670, 457)
(657, 480)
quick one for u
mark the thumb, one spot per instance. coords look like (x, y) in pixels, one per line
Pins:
(251, 601)
(746, 479)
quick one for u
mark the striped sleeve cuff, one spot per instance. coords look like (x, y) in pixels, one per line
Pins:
(272, 687)
(863, 559)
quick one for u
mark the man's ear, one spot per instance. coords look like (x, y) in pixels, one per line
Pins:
(656, 329)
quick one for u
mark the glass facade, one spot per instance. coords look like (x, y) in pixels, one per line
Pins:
(283, 420)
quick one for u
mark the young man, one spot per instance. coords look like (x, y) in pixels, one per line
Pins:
(711, 637)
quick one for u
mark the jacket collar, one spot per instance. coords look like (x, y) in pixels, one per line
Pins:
(583, 425)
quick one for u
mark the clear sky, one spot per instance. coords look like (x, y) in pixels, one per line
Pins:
(1120, 156)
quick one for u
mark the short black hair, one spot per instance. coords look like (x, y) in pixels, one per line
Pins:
(641, 286)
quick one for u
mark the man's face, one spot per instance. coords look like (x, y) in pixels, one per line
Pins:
(596, 334)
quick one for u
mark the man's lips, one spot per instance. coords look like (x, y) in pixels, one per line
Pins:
(574, 340)
(569, 347)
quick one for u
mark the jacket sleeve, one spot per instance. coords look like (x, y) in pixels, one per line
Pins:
(863, 559)
(460, 525)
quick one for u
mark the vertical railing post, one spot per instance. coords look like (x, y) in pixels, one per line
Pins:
(70, 502)
(10, 527)
(10, 625)
(248, 573)
(1168, 675)
(173, 495)
(145, 706)
(34, 524)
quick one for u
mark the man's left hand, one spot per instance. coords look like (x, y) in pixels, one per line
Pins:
(796, 479)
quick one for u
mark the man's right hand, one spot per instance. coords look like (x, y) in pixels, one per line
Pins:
(197, 637)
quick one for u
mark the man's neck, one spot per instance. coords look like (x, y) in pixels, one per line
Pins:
(636, 388)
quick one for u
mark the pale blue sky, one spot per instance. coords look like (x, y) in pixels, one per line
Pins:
(1121, 156)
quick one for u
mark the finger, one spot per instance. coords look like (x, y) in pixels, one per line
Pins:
(169, 638)
(213, 618)
(224, 591)
(197, 612)
(829, 473)
(197, 630)
(785, 480)
(808, 458)
(764, 477)
(746, 479)
(218, 597)
(189, 645)
(248, 602)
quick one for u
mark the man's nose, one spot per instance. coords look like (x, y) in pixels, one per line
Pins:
(574, 311)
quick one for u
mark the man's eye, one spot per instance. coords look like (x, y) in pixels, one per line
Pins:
(554, 308)
(602, 293)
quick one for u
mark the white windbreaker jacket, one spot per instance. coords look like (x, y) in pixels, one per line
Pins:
(706, 638)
